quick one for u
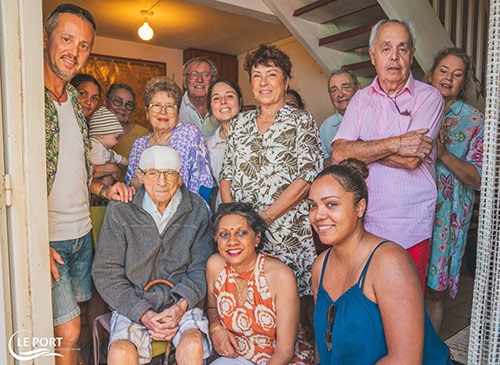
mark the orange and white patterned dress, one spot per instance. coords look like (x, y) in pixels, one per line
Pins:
(253, 322)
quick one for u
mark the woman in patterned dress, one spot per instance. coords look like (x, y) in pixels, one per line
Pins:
(252, 299)
(162, 98)
(272, 156)
(458, 173)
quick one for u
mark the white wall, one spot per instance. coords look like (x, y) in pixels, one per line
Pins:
(141, 51)
(308, 79)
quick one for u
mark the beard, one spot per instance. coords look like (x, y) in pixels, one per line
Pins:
(60, 73)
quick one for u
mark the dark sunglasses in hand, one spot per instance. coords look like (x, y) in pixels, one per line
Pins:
(117, 101)
(73, 9)
(330, 318)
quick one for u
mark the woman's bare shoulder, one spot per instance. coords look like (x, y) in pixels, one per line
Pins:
(392, 266)
(275, 269)
(215, 263)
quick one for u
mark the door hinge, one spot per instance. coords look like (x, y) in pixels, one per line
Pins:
(7, 184)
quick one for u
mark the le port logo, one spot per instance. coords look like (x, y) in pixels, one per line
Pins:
(24, 347)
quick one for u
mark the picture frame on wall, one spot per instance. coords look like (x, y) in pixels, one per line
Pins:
(134, 72)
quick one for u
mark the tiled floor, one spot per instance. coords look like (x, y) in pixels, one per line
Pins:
(458, 311)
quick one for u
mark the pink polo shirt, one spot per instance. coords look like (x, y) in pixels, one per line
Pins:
(401, 202)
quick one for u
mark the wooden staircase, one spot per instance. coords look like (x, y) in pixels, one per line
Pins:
(336, 32)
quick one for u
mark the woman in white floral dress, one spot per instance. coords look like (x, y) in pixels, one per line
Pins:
(272, 156)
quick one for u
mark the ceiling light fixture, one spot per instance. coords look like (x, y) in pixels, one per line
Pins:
(145, 31)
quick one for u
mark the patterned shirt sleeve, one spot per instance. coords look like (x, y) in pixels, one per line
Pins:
(226, 172)
(200, 173)
(476, 133)
(309, 156)
(138, 147)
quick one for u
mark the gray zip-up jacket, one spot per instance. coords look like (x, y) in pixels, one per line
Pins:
(131, 253)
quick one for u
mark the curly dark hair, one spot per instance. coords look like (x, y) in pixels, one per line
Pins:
(351, 173)
(268, 55)
(245, 210)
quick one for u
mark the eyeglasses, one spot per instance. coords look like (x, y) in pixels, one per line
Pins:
(117, 101)
(330, 318)
(158, 108)
(170, 175)
(73, 9)
(193, 75)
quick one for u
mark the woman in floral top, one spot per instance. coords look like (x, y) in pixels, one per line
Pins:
(272, 156)
(458, 173)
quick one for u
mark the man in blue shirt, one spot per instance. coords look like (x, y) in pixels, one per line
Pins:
(342, 85)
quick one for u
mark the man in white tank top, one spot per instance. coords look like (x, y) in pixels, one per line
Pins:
(68, 37)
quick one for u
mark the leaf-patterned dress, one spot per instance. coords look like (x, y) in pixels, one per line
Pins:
(463, 132)
(261, 166)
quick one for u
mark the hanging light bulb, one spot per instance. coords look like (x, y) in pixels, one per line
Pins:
(145, 31)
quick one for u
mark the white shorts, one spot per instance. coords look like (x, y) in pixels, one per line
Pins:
(122, 328)
(229, 361)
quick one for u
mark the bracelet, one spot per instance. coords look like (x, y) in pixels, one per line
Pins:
(215, 329)
(103, 190)
(266, 213)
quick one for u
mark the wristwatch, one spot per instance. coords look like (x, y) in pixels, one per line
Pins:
(103, 189)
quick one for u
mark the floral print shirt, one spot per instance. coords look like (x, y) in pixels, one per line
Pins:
(254, 322)
(463, 136)
(262, 165)
(52, 135)
(188, 142)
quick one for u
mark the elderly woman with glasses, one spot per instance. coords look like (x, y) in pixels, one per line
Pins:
(369, 302)
(162, 98)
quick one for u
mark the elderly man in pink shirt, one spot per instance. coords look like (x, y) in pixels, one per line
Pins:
(391, 125)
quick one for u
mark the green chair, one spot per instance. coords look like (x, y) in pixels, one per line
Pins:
(96, 217)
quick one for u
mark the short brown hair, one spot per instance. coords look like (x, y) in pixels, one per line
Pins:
(268, 55)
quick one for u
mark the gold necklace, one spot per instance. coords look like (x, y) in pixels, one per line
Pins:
(239, 290)
(245, 275)
(58, 98)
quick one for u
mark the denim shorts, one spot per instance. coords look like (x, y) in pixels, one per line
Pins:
(74, 285)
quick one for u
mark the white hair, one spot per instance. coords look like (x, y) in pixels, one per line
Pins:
(408, 25)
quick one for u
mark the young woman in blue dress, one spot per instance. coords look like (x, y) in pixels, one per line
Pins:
(369, 302)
